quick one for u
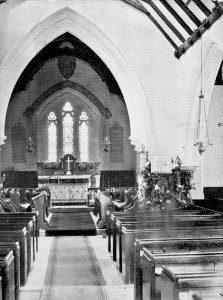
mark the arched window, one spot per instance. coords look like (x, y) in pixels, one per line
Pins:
(18, 144)
(116, 147)
(68, 128)
(83, 137)
(52, 137)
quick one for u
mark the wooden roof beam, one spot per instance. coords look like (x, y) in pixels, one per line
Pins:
(165, 20)
(206, 24)
(137, 4)
(188, 12)
(177, 17)
(202, 7)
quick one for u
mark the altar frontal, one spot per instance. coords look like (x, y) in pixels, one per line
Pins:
(67, 180)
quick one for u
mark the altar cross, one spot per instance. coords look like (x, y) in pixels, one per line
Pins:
(68, 161)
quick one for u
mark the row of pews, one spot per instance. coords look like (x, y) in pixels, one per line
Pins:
(18, 247)
(169, 255)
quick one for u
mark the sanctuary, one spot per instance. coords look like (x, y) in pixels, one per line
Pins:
(68, 181)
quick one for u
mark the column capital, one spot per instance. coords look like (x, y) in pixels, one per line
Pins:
(139, 146)
(2, 140)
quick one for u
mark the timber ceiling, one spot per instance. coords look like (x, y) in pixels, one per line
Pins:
(182, 22)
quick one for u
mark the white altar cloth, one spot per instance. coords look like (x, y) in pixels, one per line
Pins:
(66, 187)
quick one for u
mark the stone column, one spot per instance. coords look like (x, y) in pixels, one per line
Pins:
(142, 159)
(2, 139)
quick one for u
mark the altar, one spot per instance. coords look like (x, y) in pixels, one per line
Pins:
(68, 180)
(71, 188)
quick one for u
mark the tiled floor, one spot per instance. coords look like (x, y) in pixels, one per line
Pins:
(114, 289)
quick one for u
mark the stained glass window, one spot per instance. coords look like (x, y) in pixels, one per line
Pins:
(52, 137)
(68, 130)
(83, 136)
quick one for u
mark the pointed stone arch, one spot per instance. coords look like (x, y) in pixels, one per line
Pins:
(30, 111)
(67, 20)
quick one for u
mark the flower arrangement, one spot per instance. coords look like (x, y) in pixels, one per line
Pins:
(166, 191)
(90, 168)
(80, 168)
(48, 168)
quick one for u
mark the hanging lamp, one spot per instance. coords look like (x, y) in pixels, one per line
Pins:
(106, 143)
(199, 143)
(30, 147)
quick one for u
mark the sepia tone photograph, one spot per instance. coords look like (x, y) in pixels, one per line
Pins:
(111, 150)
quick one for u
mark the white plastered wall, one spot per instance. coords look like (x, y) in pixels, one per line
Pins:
(159, 90)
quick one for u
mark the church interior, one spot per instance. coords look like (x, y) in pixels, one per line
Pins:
(111, 149)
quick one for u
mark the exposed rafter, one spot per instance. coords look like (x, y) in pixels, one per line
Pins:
(165, 20)
(176, 16)
(190, 14)
(202, 7)
(163, 13)
(137, 4)
(206, 24)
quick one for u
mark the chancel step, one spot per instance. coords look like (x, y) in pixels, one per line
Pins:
(70, 209)
(68, 202)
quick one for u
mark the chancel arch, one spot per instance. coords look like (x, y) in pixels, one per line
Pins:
(68, 20)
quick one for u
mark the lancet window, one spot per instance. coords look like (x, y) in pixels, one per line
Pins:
(84, 137)
(52, 137)
(68, 128)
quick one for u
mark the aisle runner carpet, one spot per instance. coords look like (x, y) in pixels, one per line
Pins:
(80, 223)
(73, 270)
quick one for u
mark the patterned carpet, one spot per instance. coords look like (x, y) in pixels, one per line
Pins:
(79, 223)
(73, 270)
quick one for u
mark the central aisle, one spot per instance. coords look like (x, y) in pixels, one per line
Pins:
(73, 263)
(74, 268)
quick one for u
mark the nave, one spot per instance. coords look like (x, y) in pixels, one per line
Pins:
(78, 268)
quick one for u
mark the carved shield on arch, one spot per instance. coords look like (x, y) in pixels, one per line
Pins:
(67, 65)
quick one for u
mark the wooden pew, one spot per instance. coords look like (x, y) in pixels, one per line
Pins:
(32, 215)
(152, 262)
(7, 246)
(180, 244)
(18, 227)
(181, 282)
(111, 218)
(208, 294)
(139, 216)
(127, 249)
(104, 203)
(24, 220)
(163, 221)
(21, 237)
(7, 274)
(39, 203)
